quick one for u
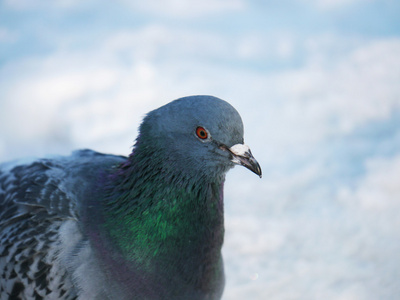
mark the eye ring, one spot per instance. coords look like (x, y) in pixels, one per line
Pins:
(202, 133)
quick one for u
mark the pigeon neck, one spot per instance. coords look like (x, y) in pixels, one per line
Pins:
(164, 222)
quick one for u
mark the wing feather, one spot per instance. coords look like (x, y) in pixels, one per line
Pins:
(36, 199)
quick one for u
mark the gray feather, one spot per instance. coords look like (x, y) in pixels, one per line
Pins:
(39, 228)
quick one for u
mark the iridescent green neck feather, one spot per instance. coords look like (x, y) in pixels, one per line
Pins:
(158, 215)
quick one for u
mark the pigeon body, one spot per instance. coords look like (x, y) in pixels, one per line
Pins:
(146, 226)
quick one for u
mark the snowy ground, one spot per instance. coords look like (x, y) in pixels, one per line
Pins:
(317, 83)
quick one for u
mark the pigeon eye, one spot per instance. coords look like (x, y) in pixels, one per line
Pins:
(201, 133)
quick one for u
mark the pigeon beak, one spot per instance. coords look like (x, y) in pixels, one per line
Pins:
(241, 155)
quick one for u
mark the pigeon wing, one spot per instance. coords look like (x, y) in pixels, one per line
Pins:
(36, 199)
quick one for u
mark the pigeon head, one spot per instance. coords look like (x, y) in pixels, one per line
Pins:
(197, 135)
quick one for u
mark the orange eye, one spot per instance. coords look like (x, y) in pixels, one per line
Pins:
(201, 133)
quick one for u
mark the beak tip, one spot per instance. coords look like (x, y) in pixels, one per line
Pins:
(251, 164)
(258, 171)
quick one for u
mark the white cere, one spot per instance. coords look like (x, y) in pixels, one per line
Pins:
(240, 149)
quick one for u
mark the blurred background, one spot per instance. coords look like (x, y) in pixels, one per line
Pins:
(317, 83)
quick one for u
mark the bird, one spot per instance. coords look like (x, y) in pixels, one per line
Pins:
(149, 225)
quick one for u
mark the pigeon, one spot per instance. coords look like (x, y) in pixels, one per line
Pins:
(146, 226)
